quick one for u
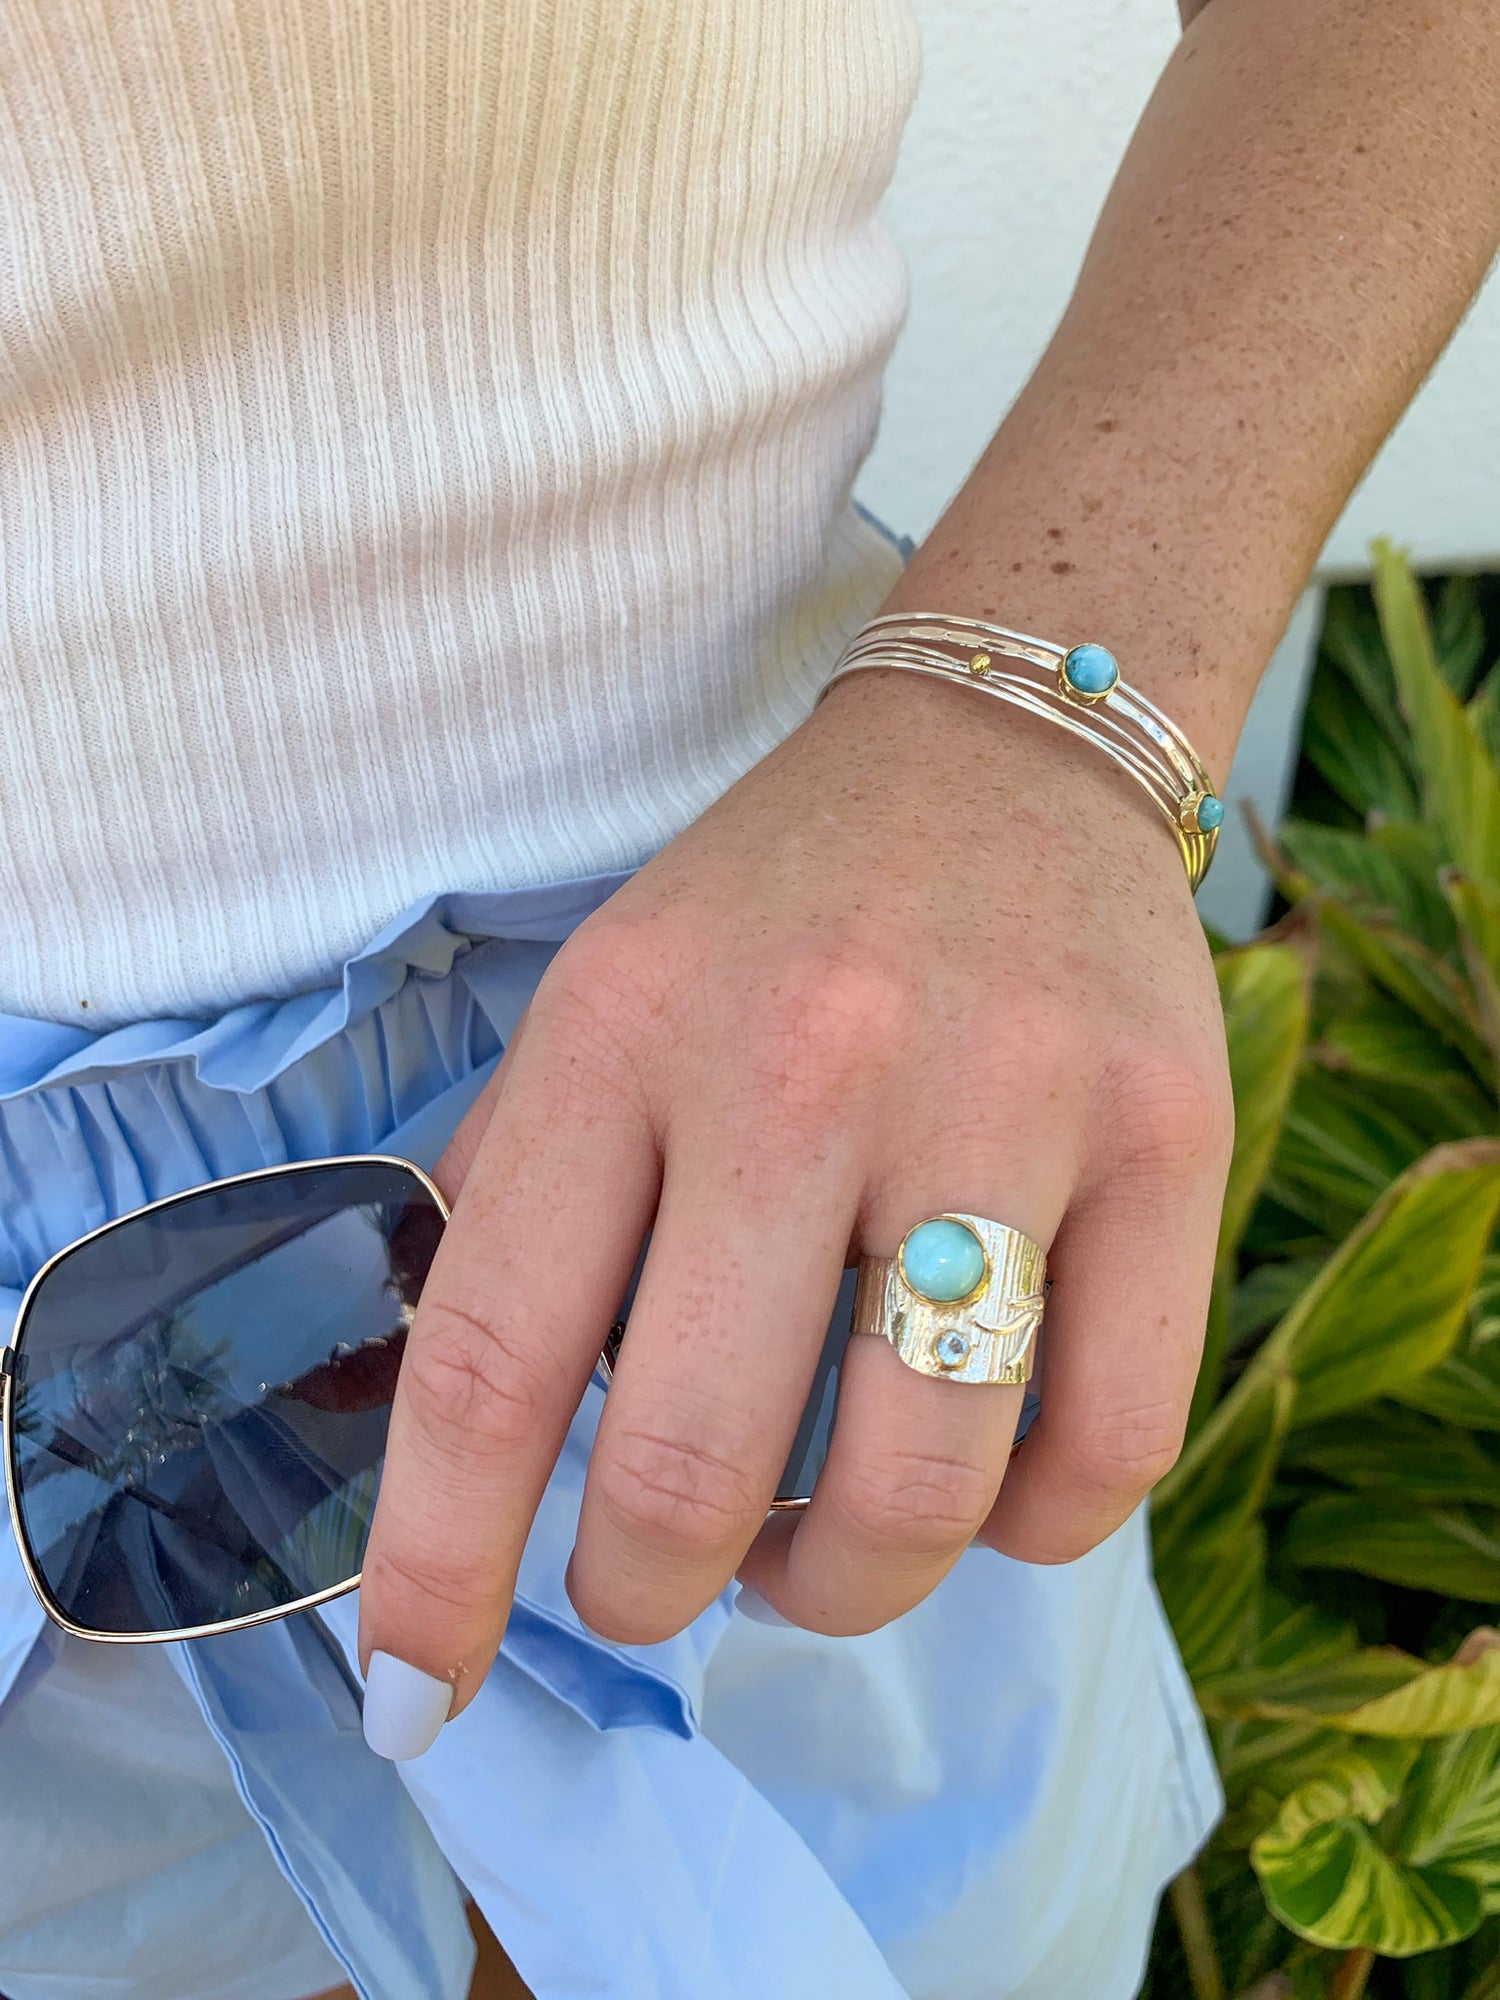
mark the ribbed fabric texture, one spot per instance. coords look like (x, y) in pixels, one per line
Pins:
(427, 430)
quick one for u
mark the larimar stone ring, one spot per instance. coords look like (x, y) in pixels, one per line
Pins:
(962, 1299)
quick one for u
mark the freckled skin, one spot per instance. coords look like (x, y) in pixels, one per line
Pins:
(932, 954)
(1273, 274)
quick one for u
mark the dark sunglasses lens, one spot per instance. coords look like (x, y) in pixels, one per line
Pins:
(202, 1396)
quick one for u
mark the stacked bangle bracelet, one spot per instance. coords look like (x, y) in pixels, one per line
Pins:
(1077, 686)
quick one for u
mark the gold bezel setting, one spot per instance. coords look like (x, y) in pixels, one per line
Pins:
(988, 1337)
(1086, 697)
(1190, 811)
(945, 1305)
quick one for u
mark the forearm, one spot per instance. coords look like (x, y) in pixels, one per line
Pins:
(1309, 202)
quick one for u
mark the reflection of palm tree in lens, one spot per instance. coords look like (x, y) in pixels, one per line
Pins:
(413, 1237)
(182, 1384)
(140, 1401)
(328, 1544)
(364, 1377)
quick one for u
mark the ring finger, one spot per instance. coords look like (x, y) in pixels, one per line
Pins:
(915, 1462)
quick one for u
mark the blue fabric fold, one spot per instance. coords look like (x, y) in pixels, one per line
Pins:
(244, 1049)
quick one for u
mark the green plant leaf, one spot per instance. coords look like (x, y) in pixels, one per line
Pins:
(1299, 1636)
(1441, 1701)
(1399, 1451)
(1379, 1536)
(1390, 874)
(1475, 904)
(1263, 990)
(1209, 1546)
(1476, 910)
(1458, 634)
(1354, 645)
(1484, 713)
(1463, 1390)
(1452, 1815)
(1269, 1291)
(1342, 1144)
(1324, 1694)
(1416, 1081)
(1352, 732)
(1390, 1303)
(1484, 1310)
(1211, 1603)
(1384, 1041)
(1327, 1878)
(1461, 789)
(1347, 745)
(1378, 1691)
(1387, 1304)
(1486, 1983)
(1420, 979)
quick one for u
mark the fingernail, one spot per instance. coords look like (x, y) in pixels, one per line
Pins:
(404, 1708)
(756, 1609)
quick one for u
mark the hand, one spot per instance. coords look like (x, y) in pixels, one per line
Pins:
(931, 954)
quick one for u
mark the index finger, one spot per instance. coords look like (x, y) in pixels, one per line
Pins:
(534, 1264)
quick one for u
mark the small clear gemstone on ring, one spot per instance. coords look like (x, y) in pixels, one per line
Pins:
(952, 1347)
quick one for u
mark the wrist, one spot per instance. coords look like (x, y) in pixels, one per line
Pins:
(1022, 790)
(1163, 651)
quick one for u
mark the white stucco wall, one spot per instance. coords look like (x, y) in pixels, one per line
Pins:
(1024, 111)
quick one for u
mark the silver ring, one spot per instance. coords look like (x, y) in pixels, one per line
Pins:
(962, 1299)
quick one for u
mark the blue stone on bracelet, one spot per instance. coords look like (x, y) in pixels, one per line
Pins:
(1210, 813)
(943, 1261)
(1090, 669)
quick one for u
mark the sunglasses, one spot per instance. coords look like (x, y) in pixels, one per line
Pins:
(195, 1399)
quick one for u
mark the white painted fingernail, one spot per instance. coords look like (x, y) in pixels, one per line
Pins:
(404, 1708)
(756, 1609)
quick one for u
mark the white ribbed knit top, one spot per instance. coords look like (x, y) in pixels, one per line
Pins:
(427, 430)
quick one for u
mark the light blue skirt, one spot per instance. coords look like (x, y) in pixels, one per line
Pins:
(982, 1800)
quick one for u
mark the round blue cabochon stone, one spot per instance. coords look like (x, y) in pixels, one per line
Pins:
(1091, 669)
(943, 1261)
(1210, 813)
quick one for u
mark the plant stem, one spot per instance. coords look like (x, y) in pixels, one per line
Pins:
(1351, 1974)
(1190, 1908)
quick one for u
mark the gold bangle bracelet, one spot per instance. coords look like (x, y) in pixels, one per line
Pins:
(1077, 686)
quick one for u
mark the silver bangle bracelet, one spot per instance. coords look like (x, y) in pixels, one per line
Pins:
(1077, 686)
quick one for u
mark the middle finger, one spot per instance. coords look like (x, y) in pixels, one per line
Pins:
(743, 1268)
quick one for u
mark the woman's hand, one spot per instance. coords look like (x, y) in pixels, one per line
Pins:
(931, 954)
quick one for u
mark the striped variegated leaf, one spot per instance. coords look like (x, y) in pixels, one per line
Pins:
(1327, 1876)
(1452, 1811)
(1391, 1302)
(1378, 1691)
